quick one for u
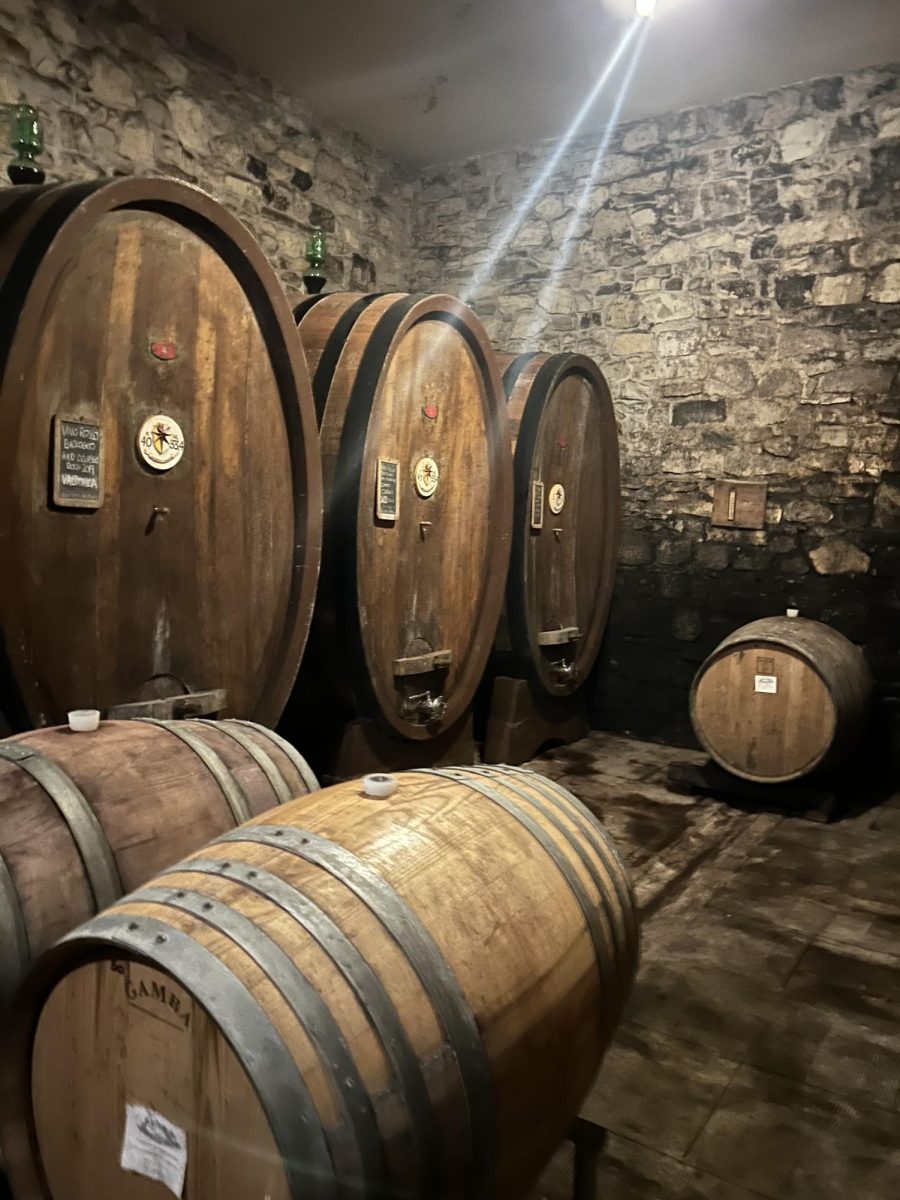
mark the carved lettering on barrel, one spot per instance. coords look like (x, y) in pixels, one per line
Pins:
(155, 997)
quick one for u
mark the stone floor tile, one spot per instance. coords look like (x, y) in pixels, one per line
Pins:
(791, 1142)
(657, 1088)
(630, 1171)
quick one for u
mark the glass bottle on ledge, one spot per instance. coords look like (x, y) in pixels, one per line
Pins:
(26, 137)
(316, 253)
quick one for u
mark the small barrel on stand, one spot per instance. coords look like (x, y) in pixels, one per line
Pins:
(781, 697)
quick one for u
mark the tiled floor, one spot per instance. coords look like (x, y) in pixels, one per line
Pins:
(760, 1053)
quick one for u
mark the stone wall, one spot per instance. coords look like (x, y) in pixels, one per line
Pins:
(734, 270)
(122, 94)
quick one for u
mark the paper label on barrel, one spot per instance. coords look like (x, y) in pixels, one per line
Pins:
(77, 464)
(154, 1147)
(766, 683)
(426, 475)
(160, 442)
(557, 499)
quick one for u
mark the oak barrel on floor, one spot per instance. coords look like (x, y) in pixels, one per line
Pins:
(350, 997)
(780, 697)
(418, 498)
(158, 456)
(566, 518)
(85, 817)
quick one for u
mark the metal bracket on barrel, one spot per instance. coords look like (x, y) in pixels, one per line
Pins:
(171, 708)
(428, 705)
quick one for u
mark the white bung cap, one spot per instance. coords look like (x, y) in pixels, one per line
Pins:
(84, 720)
(379, 786)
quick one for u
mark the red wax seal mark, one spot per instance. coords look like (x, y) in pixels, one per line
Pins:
(430, 411)
(563, 441)
(165, 351)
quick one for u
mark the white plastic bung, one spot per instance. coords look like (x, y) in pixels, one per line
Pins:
(793, 612)
(379, 785)
(84, 720)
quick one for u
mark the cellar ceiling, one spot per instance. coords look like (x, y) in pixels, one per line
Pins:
(436, 80)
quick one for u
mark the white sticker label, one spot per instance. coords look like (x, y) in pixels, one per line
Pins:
(154, 1147)
(766, 683)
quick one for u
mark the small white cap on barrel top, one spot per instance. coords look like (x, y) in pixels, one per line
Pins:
(793, 612)
(84, 720)
(379, 786)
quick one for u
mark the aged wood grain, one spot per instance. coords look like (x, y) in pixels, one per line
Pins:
(145, 595)
(561, 574)
(815, 714)
(407, 378)
(153, 799)
(476, 868)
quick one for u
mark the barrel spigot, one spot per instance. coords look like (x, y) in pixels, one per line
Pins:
(425, 708)
(564, 670)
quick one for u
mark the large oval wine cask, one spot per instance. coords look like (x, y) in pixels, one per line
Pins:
(418, 496)
(780, 697)
(158, 456)
(350, 997)
(85, 817)
(566, 517)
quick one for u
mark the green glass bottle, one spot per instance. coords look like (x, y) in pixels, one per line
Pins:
(26, 137)
(316, 253)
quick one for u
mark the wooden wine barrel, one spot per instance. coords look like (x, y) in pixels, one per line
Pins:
(350, 997)
(779, 698)
(566, 517)
(85, 817)
(418, 497)
(158, 456)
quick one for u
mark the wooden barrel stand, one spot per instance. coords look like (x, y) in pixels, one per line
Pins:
(563, 557)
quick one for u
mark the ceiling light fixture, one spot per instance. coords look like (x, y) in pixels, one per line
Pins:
(645, 8)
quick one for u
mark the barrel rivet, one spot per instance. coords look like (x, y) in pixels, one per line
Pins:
(160, 938)
(207, 906)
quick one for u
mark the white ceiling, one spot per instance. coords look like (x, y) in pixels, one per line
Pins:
(434, 80)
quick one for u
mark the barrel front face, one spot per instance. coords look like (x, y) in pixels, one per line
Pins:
(158, 451)
(764, 712)
(566, 521)
(86, 817)
(355, 998)
(780, 697)
(419, 496)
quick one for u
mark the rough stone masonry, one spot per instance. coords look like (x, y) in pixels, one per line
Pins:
(735, 272)
(122, 93)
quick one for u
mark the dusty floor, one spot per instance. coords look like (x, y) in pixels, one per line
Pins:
(760, 1053)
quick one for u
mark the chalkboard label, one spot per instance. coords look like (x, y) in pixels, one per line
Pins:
(387, 501)
(77, 464)
(537, 504)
